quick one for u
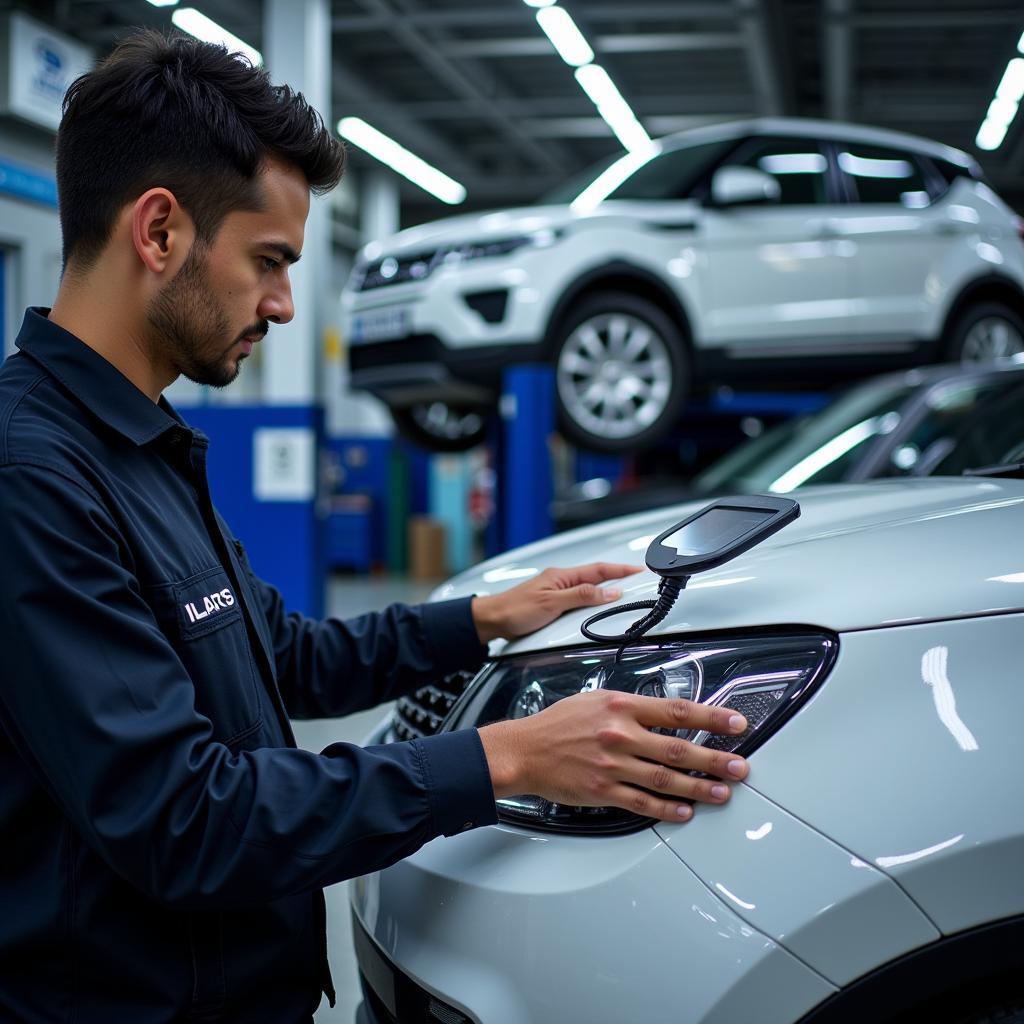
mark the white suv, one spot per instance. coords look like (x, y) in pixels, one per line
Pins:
(796, 248)
(868, 869)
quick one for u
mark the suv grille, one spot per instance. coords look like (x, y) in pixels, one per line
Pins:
(423, 713)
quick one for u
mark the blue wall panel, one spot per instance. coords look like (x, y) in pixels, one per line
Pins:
(284, 539)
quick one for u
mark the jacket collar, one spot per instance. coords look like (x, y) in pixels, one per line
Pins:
(97, 384)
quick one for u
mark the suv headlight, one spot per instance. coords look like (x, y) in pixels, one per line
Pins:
(764, 677)
(500, 246)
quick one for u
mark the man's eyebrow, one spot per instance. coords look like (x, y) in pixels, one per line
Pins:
(284, 250)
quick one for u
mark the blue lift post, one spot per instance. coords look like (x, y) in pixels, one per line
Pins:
(520, 446)
(525, 485)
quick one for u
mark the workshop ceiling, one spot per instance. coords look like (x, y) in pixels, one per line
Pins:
(474, 87)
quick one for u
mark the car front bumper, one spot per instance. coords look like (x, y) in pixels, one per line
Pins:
(506, 927)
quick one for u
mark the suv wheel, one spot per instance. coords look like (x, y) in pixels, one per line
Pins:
(621, 371)
(986, 332)
(440, 427)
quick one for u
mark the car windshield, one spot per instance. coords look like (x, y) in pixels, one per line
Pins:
(820, 448)
(667, 175)
(989, 434)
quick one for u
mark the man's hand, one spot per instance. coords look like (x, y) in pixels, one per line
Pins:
(543, 598)
(596, 749)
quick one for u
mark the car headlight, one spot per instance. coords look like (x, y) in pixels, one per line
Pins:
(764, 677)
(500, 246)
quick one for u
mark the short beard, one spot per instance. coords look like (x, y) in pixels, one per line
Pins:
(191, 327)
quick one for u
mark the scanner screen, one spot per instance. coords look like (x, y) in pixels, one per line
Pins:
(715, 529)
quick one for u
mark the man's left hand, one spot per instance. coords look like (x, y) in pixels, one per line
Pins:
(540, 600)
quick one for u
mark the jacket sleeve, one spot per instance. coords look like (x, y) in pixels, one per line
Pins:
(330, 668)
(102, 711)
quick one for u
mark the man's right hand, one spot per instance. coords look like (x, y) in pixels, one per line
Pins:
(596, 749)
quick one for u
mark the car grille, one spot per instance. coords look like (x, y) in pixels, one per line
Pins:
(423, 713)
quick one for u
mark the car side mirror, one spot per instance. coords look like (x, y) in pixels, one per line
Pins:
(736, 186)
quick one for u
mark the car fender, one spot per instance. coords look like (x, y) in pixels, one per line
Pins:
(624, 274)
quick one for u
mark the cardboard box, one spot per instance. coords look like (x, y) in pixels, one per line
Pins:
(428, 555)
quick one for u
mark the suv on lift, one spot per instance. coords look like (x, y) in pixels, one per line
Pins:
(799, 248)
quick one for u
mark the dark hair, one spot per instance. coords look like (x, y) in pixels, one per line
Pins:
(177, 113)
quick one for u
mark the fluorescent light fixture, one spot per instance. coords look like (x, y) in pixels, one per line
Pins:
(608, 181)
(565, 36)
(163, 3)
(597, 84)
(197, 24)
(539, 3)
(990, 135)
(1011, 87)
(398, 158)
(1001, 111)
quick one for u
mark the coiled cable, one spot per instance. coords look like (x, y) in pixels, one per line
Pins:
(668, 590)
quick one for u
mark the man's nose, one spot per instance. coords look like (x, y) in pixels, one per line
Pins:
(277, 305)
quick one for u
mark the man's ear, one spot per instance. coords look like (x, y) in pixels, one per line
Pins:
(162, 232)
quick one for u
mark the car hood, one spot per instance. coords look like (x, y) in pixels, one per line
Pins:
(471, 227)
(482, 227)
(860, 556)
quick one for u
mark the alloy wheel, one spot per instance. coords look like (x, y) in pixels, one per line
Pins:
(614, 375)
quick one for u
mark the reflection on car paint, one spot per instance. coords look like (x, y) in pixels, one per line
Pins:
(906, 858)
(933, 671)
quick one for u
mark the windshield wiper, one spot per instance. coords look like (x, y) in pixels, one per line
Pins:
(1010, 469)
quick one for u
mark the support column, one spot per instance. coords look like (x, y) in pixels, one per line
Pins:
(379, 205)
(297, 50)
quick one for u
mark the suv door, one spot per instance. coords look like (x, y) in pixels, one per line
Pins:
(778, 284)
(897, 233)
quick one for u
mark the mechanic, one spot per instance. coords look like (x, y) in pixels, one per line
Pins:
(164, 842)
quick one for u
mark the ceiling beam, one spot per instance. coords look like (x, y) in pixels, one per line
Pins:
(519, 14)
(939, 19)
(477, 92)
(597, 127)
(649, 42)
(574, 104)
(837, 59)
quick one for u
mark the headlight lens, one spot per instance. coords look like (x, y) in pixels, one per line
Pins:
(764, 677)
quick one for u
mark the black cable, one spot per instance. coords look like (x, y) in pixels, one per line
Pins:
(668, 590)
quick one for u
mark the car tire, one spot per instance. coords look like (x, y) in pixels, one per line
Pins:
(622, 373)
(984, 332)
(440, 427)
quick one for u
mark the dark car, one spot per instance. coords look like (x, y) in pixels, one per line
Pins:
(937, 420)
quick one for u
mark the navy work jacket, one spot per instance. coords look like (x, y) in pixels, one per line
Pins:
(163, 844)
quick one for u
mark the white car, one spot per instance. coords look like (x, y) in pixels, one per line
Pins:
(869, 869)
(800, 249)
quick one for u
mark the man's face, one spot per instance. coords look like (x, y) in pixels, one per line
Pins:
(220, 303)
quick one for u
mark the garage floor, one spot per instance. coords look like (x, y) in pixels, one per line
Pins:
(346, 597)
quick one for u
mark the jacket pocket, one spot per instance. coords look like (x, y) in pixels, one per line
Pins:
(202, 620)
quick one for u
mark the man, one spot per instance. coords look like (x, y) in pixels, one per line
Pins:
(164, 842)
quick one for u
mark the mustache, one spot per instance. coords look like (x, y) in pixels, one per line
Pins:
(258, 331)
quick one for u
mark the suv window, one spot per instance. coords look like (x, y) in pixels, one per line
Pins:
(798, 165)
(876, 174)
(671, 175)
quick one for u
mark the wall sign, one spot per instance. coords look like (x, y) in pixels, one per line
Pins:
(37, 64)
(284, 464)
